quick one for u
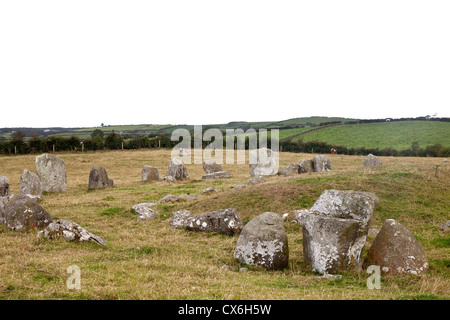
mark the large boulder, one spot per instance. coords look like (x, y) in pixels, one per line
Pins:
(217, 175)
(335, 230)
(98, 178)
(211, 167)
(70, 231)
(321, 163)
(3, 202)
(4, 186)
(30, 184)
(226, 221)
(289, 170)
(52, 172)
(396, 250)
(263, 241)
(177, 170)
(306, 166)
(371, 161)
(145, 211)
(263, 162)
(150, 173)
(23, 213)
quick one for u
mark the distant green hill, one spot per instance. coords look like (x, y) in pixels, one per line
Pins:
(396, 135)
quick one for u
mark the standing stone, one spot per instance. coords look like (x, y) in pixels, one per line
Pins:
(371, 161)
(263, 241)
(98, 178)
(290, 169)
(321, 163)
(179, 219)
(226, 221)
(23, 213)
(256, 180)
(30, 184)
(4, 186)
(52, 172)
(211, 167)
(263, 162)
(306, 166)
(396, 250)
(335, 230)
(177, 170)
(150, 173)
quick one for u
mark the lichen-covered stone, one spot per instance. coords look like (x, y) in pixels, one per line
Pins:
(256, 180)
(70, 231)
(30, 184)
(169, 198)
(263, 241)
(263, 162)
(209, 190)
(98, 178)
(150, 173)
(306, 166)
(179, 218)
(321, 163)
(23, 213)
(335, 230)
(211, 167)
(3, 202)
(144, 211)
(52, 172)
(290, 169)
(226, 221)
(216, 175)
(395, 250)
(4, 186)
(371, 161)
(177, 170)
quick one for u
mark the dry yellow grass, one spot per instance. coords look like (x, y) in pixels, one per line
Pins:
(150, 260)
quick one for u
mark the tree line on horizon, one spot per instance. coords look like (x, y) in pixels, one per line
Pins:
(112, 141)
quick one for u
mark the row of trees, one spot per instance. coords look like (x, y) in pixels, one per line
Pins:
(113, 141)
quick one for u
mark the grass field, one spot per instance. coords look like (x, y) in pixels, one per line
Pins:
(150, 260)
(398, 135)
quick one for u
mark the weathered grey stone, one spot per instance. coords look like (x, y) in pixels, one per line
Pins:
(52, 172)
(211, 167)
(169, 198)
(445, 226)
(3, 202)
(327, 276)
(179, 218)
(263, 162)
(239, 186)
(263, 241)
(98, 178)
(150, 173)
(256, 180)
(188, 196)
(177, 170)
(321, 163)
(306, 166)
(30, 184)
(209, 190)
(4, 186)
(22, 213)
(168, 178)
(70, 231)
(290, 169)
(144, 211)
(373, 232)
(371, 161)
(395, 250)
(226, 221)
(217, 175)
(335, 230)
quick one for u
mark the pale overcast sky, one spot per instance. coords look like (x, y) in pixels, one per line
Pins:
(83, 63)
